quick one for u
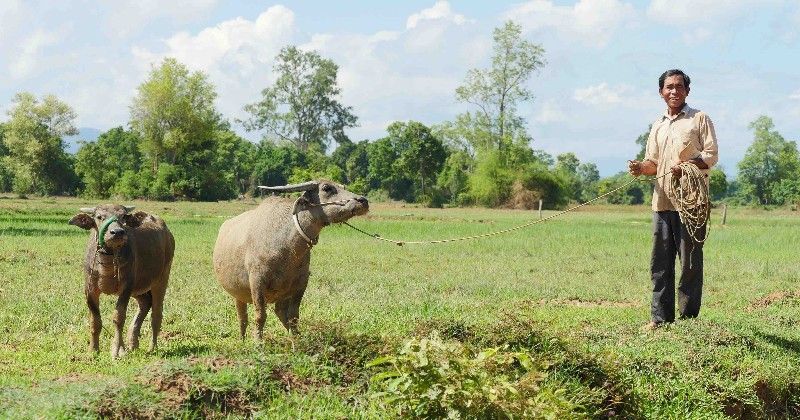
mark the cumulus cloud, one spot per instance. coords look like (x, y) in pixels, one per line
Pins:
(701, 20)
(604, 94)
(592, 22)
(29, 53)
(130, 16)
(550, 112)
(440, 11)
(237, 54)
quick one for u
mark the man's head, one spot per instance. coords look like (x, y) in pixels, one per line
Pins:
(673, 86)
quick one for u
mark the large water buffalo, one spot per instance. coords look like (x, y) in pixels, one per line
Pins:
(128, 254)
(262, 256)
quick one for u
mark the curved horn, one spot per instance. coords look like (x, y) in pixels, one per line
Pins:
(305, 186)
(89, 210)
(129, 209)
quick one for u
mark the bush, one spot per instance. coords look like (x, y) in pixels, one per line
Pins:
(431, 378)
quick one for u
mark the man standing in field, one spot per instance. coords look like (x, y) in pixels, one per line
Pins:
(681, 134)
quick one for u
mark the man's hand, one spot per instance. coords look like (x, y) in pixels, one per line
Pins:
(634, 167)
(677, 171)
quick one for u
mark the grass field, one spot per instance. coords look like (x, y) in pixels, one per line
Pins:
(572, 293)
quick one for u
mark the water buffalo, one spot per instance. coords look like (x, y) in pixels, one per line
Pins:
(128, 254)
(262, 256)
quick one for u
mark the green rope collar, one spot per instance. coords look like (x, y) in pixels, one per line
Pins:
(101, 241)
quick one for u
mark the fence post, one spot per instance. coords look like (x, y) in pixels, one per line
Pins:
(724, 213)
(540, 208)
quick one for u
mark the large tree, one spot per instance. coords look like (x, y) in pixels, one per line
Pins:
(101, 163)
(302, 106)
(767, 161)
(497, 91)
(174, 113)
(33, 140)
(421, 155)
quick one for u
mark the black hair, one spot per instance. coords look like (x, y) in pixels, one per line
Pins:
(673, 72)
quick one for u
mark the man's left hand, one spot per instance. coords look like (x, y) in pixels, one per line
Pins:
(677, 171)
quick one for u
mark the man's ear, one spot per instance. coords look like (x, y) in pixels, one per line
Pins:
(135, 219)
(83, 221)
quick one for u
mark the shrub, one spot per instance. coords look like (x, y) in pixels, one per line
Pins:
(431, 378)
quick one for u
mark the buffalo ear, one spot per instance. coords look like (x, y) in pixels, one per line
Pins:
(83, 221)
(135, 219)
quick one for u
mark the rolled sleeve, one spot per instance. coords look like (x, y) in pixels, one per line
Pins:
(710, 152)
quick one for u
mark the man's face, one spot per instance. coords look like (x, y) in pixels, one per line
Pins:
(674, 91)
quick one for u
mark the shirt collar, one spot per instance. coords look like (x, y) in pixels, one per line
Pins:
(685, 110)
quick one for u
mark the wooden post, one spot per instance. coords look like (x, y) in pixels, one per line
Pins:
(724, 213)
(540, 208)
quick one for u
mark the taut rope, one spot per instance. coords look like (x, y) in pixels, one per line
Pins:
(694, 182)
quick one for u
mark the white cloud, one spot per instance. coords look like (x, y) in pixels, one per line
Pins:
(795, 95)
(237, 54)
(9, 13)
(130, 16)
(29, 53)
(592, 22)
(702, 20)
(550, 112)
(603, 94)
(440, 11)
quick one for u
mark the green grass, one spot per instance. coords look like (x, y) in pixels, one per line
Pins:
(574, 291)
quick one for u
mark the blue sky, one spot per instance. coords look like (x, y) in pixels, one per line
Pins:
(403, 60)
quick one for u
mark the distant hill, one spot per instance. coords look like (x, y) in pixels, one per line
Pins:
(71, 144)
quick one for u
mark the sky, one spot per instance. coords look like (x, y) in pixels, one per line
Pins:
(402, 60)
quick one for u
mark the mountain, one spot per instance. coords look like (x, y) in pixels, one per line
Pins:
(71, 144)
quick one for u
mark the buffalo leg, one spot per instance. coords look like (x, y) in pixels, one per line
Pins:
(288, 311)
(158, 313)
(96, 324)
(117, 347)
(241, 312)
(259, 301)
(145, 302)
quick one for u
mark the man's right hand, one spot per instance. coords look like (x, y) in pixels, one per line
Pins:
(634, 167)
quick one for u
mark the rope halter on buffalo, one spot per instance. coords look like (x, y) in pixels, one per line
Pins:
(691, 203)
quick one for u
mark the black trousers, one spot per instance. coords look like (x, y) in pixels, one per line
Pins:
(671, 239)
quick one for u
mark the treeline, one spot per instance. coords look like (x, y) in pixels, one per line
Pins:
(176, 144)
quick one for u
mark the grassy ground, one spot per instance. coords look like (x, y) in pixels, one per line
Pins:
(572, 292)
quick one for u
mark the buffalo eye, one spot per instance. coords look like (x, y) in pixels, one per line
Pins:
(328, 188)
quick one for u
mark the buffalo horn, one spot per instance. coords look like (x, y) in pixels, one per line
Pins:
(305, 186)
(89, 210)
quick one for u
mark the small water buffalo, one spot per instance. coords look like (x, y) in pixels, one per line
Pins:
(128, 254)
(262, 256)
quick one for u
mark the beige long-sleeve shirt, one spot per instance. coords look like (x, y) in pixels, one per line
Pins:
(675, 139)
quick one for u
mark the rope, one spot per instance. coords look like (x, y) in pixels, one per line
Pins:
(441, 241)
(689, 194)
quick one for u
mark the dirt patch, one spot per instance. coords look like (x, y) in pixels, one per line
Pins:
(291, 382)
(772, 298)
(214, 364)
(589, 303)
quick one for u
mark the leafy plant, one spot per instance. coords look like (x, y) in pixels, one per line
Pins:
(430, 377)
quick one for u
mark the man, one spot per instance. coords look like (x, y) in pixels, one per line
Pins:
(682, 134)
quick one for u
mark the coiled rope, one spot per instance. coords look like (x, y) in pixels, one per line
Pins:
(688, 202)
(689, 194)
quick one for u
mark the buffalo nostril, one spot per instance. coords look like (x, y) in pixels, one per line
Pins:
(117, 232)
(362, 200)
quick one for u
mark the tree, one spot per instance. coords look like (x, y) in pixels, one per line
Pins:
(33, 140)
(421, 155)
(497, 91)
(174, 114)
(234, 160)
(768, 160)
(301, 107)
(717, 184)
(642, 142)
(101, 163)
(588, 176)
(6, 177)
